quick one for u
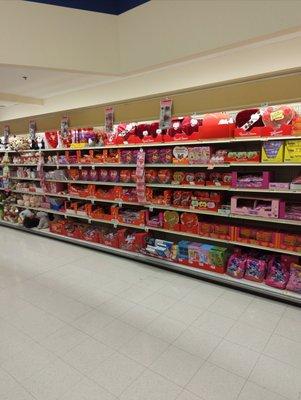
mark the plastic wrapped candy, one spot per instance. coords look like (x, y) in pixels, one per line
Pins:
(255, 269)
(236, 265)
(103, 175)
(294, 282)
(113, 175)
(278, 274)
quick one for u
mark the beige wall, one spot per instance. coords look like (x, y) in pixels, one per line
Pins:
(248, 61)
(228, 96)
(56, 37)
(164, 30)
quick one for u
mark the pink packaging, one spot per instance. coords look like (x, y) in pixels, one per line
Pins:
(154, 219)
(294, 282)
(261, 207)
(278, 274)
(255, 269)
(259, 180)
(279, 185)
(236, 265)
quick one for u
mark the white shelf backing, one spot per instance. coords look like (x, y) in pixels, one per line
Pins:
(149, 228)
(284, 295)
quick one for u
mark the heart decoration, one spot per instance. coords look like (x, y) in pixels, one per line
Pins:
(171, 218)
(275, 116)
(180, 152)
(52, 139)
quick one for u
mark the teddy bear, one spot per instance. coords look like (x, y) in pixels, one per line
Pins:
(44, 220)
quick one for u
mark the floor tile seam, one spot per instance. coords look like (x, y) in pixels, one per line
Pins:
(19, 383)
(59, 318)
(269, 390)
(282, 362)
(205, 360)
(88, 375)
(218, 366)
(127, 386)
(82, 376)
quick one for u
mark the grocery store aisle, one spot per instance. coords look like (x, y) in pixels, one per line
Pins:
(76, 324)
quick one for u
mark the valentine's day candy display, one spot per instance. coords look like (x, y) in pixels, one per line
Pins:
(216, 194)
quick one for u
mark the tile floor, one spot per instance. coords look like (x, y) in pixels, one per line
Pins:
(76, 324)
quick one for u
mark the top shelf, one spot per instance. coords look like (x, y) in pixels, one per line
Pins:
(163, 144)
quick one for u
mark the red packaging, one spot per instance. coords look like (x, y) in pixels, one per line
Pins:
(216, 126)
(164, 176)
(189, 223)
(125, 175)
(171, 220)
(91, 234)
(151, 175)
(131, 241)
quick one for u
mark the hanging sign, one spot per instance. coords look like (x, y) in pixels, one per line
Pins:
(65, 127)
(6, 133)
(109, 119)
(140, 176)
(32, 130)
(165, 114)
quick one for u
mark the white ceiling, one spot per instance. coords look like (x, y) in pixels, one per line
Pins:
(44, 83)
(75, 58)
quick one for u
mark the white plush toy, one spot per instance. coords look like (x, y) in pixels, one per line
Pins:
(44, 220)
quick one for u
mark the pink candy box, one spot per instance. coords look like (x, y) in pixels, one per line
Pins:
(262, 207)
(279, 185)
(259, 180)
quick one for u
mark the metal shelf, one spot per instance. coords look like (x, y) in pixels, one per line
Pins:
(163, 144)
(170, 208)
(259, 288)
(147, 228)
(173, 165)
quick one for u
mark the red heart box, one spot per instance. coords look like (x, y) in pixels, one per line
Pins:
(275, 116)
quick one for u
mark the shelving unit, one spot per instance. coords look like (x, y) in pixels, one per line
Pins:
(284, 295)
(260, 288)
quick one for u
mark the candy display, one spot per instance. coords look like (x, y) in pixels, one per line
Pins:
(191, 171)
(262, 207)
(272, 151)
(260, 180)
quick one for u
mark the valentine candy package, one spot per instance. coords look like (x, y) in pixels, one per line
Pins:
(256, 267)
(236, 265)
(278, 274)
(294, 282)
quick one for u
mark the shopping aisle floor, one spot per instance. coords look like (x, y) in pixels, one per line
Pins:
(77, 324)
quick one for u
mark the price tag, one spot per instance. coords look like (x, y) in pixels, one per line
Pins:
(151, 208)
(57, 166)
(68, 198)
(68, 166)
(120, 204)
(89, 221)
(93, 202)
(211, 166)
(93, 166)
(80, 167)
(277, 115)
(115, 224)
(77, 145)
(146, 229)
(192, 183)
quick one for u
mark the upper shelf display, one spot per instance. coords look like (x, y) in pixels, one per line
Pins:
(253, 124)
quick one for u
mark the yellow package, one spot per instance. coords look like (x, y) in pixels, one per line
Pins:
(292, 151)
(272, 151)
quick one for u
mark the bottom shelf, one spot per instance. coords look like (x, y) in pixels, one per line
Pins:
(214, 277)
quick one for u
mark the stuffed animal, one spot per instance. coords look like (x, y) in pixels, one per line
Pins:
(24, 214)
(44, 220)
